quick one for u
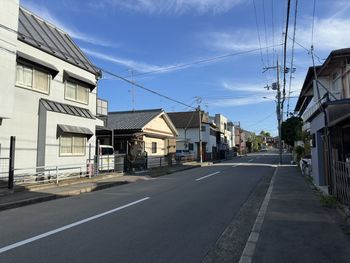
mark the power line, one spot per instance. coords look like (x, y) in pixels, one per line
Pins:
(206, 60)
(262, 120)
(292, 60)
(144, 88)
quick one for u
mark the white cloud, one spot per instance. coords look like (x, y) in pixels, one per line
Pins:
(244, 87)
(138, 66)
(329, 33)
(174, 7)
(249, 100)
(73, 32)
(239, 40)
(242, 94)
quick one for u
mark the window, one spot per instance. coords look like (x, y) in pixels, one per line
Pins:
(154, 147)
(32, 78)
(76, 92)
(203, 128)
(72, 145)
(102, 107)
(190, 146)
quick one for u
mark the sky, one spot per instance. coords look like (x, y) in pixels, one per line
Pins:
(161, 44)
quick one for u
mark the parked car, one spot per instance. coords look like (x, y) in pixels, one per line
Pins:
(105, 158)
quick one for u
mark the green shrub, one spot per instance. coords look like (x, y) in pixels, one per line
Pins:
(300, 152)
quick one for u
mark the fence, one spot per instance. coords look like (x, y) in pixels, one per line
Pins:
(4, 171)
(57, 173)
(341, 184)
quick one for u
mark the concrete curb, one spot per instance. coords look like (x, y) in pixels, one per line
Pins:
(180, 170)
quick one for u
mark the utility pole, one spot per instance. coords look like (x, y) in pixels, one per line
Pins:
(279, 114)
(200, 134)
(279, 107)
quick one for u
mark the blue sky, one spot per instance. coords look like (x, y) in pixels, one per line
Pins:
(138, 36)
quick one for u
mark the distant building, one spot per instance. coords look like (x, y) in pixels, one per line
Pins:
(187, 124)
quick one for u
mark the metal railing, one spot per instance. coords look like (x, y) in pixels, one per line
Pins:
(4, 170)
(341, 184)
(49, 174)
(159, 161)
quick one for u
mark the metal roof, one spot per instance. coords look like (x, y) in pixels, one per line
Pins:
(39, 33)
(63, 129)
(66, 109)
(131, 120)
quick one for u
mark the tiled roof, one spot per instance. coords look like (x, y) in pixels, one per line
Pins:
(66, 109)
(131, 120)
(187, 119)
(41, 34)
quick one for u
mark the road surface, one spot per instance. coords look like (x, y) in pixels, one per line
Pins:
(182, 217)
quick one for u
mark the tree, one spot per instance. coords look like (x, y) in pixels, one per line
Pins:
(292, 130)
(265, 134)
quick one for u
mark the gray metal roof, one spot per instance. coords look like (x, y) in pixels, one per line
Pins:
(66, 109)
(63, 128)
(131, 120)
(41, 34)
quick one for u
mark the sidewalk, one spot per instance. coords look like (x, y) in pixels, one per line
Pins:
(297, 228)
(22, 196)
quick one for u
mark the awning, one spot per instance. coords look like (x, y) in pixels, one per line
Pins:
(64, 129)
(32, 61)
(76, 78)
(338, 111)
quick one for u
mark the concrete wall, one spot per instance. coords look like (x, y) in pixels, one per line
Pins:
(317, 152)
(8, 47)
(161, 146)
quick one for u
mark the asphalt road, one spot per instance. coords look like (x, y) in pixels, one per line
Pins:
(174, 218)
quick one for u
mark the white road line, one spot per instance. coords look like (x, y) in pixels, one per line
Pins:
(57, 230)
(207, 176)
(250, 160)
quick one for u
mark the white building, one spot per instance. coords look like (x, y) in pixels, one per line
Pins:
(187, 125)
(225, 131)
(48, 92)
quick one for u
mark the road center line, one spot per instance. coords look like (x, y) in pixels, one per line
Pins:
(57, 230)
(198, 179)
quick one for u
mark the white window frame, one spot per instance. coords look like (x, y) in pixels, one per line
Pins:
(33, 84)
(73, 152)
(76, 92)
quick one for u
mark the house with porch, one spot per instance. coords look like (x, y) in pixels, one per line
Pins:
(48, 92)
(139, 133)
(324, 105)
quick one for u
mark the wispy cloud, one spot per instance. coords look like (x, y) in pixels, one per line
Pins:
(172, 7)
(238, 40)
(243, 87)
(70, 30)
(329, 33)
(138, 66)
(242, 94)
